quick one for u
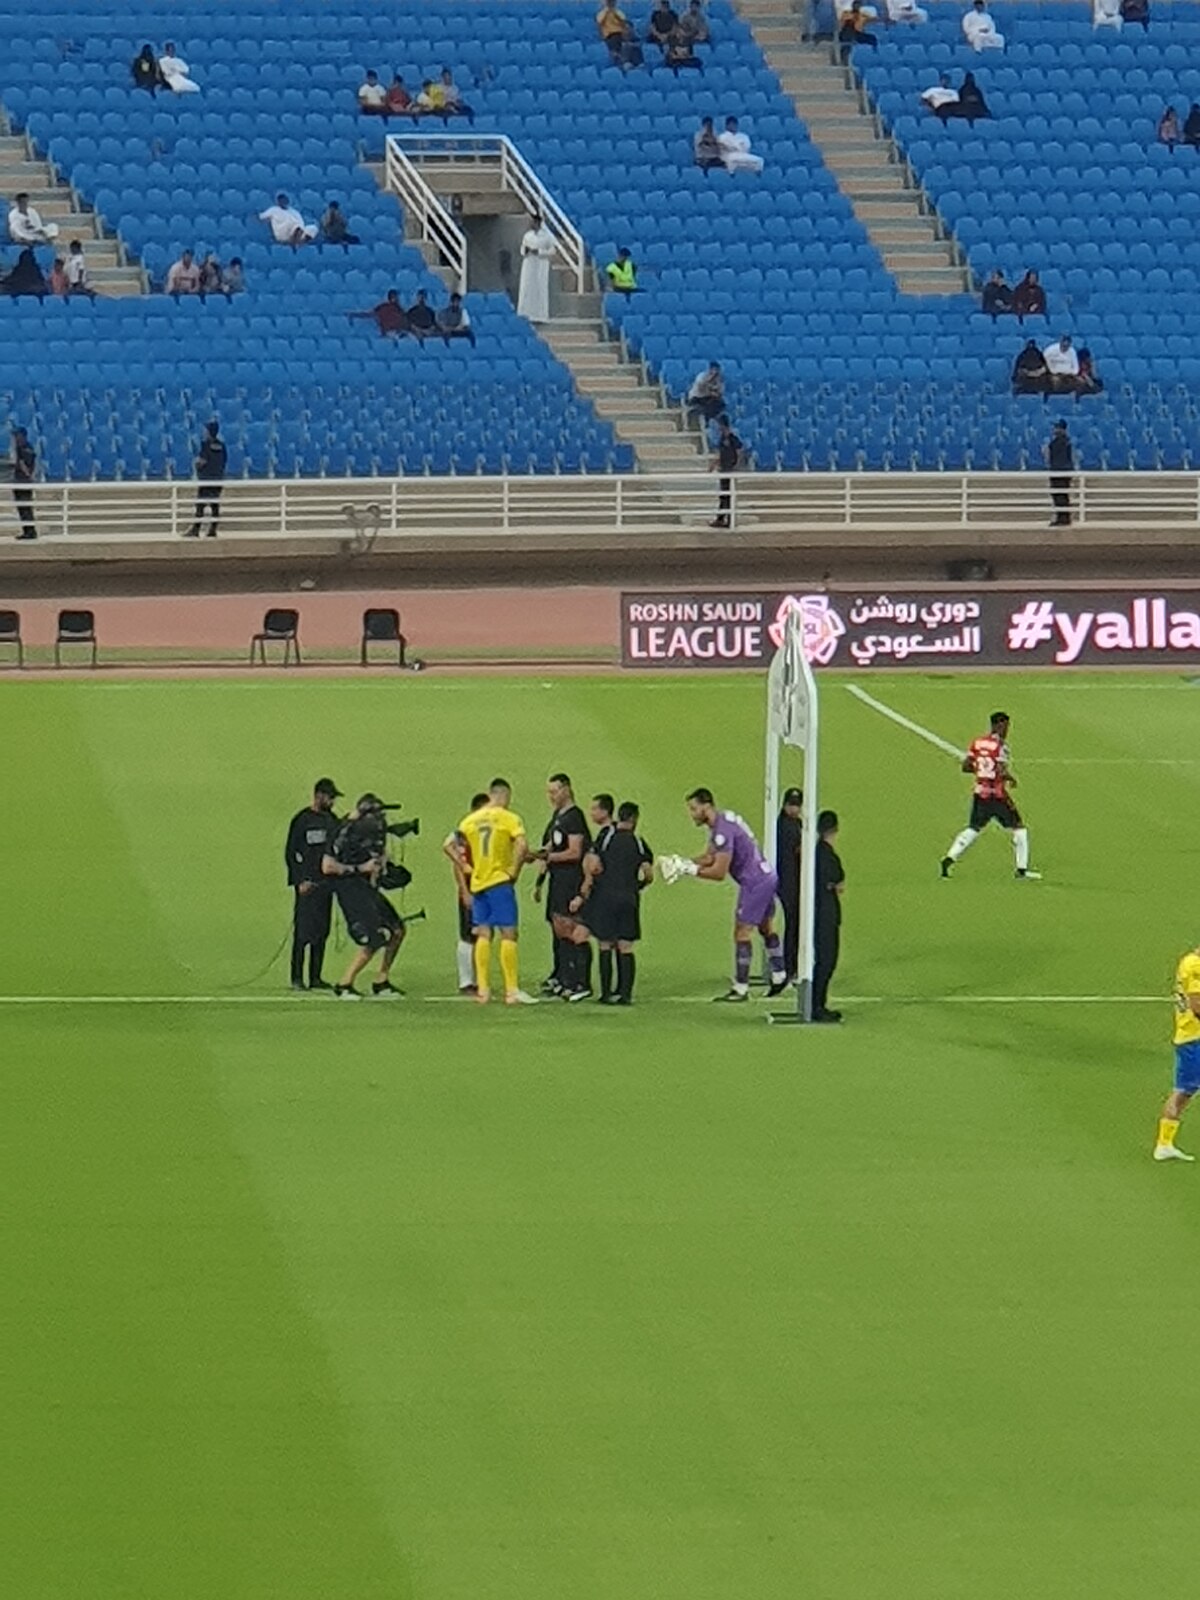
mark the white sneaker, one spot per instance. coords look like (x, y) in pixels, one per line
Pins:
(519, 998)
(1030, 874)
(1168, 1152)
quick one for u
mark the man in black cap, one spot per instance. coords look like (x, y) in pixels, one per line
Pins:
(310, 835)
(24, 471)
(827, 916)
(1060, 458)
(355, 862)
(787, 865)
(210, 470)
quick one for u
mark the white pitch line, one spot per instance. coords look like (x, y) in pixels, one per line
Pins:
(905, 722)
(670, 999)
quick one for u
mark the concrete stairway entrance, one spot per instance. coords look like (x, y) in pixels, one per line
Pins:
(863, 162)
(23, 172)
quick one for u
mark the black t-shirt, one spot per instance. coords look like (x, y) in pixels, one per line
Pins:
(357, 840)
(211, 462)
(420, 316)
(623, 857)
(729, 452)
(830, 873)
(788, 834)
(24, 463)
(562, 825)
(310, 834)
(1062, 457)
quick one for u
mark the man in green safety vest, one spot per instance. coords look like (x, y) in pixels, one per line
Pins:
(622, 274)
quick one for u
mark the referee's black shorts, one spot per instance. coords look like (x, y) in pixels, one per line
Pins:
(560, 891)
(613, 921)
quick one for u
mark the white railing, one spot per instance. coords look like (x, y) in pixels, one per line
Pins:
(497, 150)
(436, 225)
(955, 511)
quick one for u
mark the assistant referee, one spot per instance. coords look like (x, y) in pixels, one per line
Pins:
(310, 834)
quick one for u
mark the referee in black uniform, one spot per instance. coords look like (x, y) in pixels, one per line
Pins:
(610, 902)
(564, 845)
(787, 865)
(310, 834)
(827, 916)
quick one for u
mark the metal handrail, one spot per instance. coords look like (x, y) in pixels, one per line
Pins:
(436, 225)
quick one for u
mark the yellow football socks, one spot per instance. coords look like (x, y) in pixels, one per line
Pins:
(508, 965)
(1167, 1129)
(483, 963)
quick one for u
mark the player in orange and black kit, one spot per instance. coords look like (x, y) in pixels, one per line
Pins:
(987, 762)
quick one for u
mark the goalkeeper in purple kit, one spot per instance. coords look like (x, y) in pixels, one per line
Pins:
(733, 852)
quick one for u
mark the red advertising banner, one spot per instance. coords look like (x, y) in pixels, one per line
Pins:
(866, 628)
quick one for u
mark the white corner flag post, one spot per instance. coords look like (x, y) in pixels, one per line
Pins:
(792, 719)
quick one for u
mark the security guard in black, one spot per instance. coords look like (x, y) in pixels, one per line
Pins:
(309, 838)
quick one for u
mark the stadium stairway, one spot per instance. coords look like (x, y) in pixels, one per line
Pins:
(23, 171)
(862, 159)
(620, 394)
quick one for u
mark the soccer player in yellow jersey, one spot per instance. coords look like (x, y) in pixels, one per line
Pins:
(1187, 1056)
(497, 849)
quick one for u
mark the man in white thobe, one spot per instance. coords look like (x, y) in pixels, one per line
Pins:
(1063, 361)
(175, 72)
(735, 149)
(537, 250)
(906, 11)
(980, 30)
(1107, 14)
(286, 224)
(26, 227)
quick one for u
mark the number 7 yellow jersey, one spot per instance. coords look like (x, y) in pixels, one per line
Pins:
(1187, 983)
(491, 836)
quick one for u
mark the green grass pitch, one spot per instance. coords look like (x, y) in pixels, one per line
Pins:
(320, 1302)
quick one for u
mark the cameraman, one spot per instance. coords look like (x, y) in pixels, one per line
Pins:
(357, 862)
(310, 834)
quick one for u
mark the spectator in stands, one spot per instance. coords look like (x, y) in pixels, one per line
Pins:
(286, 224)
(235, 277)
(1089, 380)
(1107, 14)
(334, 228)
(629, 54)
(997, 296)
(146, 74)
(421, 320)
(58, 278)
(1168, 129)
(24, 460)
(1136, 11)
(454, 321)
(693, 24)
(940, 95)
(1062, 363)
(1060, 458)
(681, 53)
(78, 281)
(979, 28)
(398, 102)
(183, 276)
(453, 103)
(388, 316)
(1029, 298)
(706, 147)
(971, 103)
(622, 273)
(26, 276)
(906, 11)
(537, 250)
(706, 397)
(1030, 374)
(855, 29)
(25, 226)
(372, 96)
(211, 277)
(1191, 127)
(611, 23)
(735, 148)
(429, 102)
(726, 460)
(211, 463)
(174, 72)
(662, 24)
